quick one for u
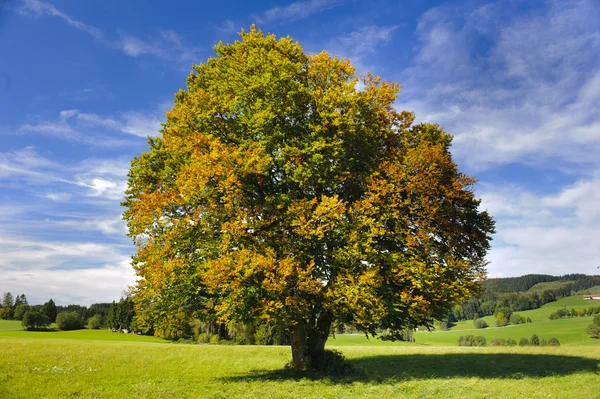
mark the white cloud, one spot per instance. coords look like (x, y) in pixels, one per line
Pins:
(21, 253)
(104, 179)
(114, 226)
(71, 123)
(58, 196)
(365, 41)
(550, 234)
(297, 10)
(39, 8)
(530, 98)
(227, 27)
(168, 45)
(81, 286)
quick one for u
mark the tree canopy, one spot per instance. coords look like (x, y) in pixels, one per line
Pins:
(287, 188)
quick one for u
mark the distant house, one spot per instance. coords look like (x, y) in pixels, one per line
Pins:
(593, 297)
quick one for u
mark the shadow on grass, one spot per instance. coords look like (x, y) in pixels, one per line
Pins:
(395, 368)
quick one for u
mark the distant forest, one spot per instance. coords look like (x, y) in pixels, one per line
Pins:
(514, 294)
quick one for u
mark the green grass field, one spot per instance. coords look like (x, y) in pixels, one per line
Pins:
(101, 364)
(48, 367)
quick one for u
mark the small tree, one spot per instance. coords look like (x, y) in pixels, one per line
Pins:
(49, 310)
(516, 318)
(553, 342)
(480, 323)
(511, 342)
(535, 340)
(20, 311)
(7, 300)
(523, 342)
(594, 329)
(501, 319)
(69, 321)
(94, 322)
(33, 320)
(479, 341)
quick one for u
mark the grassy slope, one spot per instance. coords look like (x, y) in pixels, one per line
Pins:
(64, 368)
(570, 331)
(540, 287)
(12, 328)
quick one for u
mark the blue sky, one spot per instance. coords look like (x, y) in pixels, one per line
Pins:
(82, 83)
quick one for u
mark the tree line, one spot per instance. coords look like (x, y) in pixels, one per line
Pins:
(508, 295)
(117, 316)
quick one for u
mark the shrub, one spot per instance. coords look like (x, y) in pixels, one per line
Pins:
(553, 342)
(535, 340)
(594, 331)
(479, 341)
(33, 320)
(543, 342)
(498, 342)
(94, 322)
(597, 319)
(214, 340)
(263, 334)
(523, 342)
(529, 320)
(480, 323)
(69, 321)
(202, 338)
(516, 318)
(511, 342)
(466, 340)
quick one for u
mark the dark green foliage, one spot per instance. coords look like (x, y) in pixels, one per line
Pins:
(69, 321)
(49, 310)
(20, 311)
(33, 320)
(534, 341)
(120, 315)
(498, 342)
(480, 323)
(523, 342)
(511, 342)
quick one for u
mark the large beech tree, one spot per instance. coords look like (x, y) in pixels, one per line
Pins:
(287, 188)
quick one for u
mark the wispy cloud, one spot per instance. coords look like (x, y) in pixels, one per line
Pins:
(228, 26)
(530, 98)
(98, 179)
(167, 45)
(297, 10)
(71, 123)
(364, 41)
(43, 9)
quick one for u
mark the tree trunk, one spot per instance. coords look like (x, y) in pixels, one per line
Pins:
(308, 342)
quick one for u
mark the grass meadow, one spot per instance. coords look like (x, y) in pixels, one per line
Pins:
(101, 364)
